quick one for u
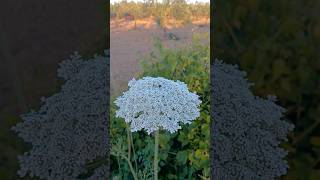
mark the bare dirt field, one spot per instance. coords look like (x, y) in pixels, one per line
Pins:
(130, 40)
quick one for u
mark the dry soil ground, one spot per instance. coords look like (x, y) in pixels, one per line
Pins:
(128, 44)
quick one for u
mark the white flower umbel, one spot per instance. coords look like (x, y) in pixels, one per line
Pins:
(157, 103)
(154, 103)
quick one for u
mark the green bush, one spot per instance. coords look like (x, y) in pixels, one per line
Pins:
(185, 154)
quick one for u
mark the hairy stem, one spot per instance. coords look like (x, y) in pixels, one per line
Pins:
(119, 167)
(131, 168)
(118, 153)
(129, 141)
(133, 152)
(156, 151)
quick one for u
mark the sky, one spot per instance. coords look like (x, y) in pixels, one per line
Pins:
(192, 1)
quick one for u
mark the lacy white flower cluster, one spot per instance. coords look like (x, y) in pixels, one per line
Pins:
(70, 128)
(154, 103)
(246, 130)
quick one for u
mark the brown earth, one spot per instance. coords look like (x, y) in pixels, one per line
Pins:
(129, 41)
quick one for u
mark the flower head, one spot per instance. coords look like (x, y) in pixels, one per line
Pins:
(246, 130)
(70, 128)
(154, 103)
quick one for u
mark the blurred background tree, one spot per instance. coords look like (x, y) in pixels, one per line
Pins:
(167, 9)
(277, 43)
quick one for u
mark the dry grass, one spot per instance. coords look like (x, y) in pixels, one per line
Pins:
(150, 23)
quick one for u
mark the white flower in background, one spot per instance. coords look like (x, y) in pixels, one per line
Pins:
(247, 130)
(154, 103)
(70, 129)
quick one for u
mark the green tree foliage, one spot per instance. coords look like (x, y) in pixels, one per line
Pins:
(277, 43)
(185, 154)
(181, 10)
(175, 9)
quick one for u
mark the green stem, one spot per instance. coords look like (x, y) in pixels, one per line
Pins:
(117, 154)
(134, 152)
(119, 167)
(156, 151)
(299, 138)
(131, 168)
(129, 142)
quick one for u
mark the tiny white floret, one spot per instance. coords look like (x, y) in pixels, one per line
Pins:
(154, 103)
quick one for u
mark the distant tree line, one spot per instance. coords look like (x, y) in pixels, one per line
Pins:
(167, 9)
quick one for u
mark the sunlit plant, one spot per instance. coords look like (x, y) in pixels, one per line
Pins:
(152, 104)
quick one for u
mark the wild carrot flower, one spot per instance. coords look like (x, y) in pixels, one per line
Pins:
(154, 103)
(70, 128)
(246, 130)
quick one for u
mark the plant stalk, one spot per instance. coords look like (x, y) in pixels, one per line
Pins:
(131, 168)
(156, 152)
(129, 142)
(133, 152)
